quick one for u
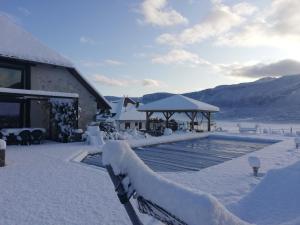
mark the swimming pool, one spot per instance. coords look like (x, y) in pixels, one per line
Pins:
(192, 155)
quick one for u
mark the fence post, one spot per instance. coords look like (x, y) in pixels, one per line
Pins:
(2, 152)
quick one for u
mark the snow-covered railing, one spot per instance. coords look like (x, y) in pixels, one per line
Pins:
(165, 200)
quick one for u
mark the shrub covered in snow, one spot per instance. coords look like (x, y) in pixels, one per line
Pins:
(64, 117)
(167, 131)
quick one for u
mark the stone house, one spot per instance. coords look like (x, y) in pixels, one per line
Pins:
(32, 75)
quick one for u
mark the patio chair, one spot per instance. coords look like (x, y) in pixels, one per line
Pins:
(37, 136)
(25, 137)
(2, 136)
(11, 139)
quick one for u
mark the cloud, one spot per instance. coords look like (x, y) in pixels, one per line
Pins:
(158, 13)
(179, 56)
(111, 81)
(276, 26)
(87, 40)
(151, 83)
(24, 11)
(113, 62)
(96, 63)
(221, 19)
(105, 80)
(258, 70)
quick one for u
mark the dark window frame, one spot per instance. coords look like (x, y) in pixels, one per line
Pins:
(26, 84)
(24, 74)
(21, 121)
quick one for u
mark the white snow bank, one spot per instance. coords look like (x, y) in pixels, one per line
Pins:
(165, 139)
(192, 206)
(275, 200)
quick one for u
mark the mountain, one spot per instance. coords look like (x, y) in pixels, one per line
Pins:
(268, 99)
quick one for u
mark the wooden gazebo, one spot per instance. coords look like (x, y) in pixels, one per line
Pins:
(178, 104)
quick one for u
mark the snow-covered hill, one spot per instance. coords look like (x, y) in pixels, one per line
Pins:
(267, 99)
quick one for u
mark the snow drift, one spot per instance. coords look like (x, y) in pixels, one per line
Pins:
(192, 206)
(275, 200)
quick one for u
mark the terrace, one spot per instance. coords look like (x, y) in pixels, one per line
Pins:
(54, 181)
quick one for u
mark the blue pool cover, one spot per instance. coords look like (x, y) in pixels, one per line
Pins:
(191, 155)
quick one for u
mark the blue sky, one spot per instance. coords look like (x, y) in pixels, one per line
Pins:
(139, 47)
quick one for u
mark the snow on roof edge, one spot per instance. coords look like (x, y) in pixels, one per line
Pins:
(39, 92)
(18, 43)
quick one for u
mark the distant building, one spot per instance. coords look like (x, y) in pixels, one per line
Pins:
(32, 75)
(124, 112)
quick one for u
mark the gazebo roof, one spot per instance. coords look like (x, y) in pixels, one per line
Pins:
(178, 103)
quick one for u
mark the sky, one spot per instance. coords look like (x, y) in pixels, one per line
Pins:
(138, 47)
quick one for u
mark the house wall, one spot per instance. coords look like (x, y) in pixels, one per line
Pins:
(50, 78)
(121, 125)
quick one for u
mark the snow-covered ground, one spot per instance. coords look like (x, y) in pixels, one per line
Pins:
(42, 184)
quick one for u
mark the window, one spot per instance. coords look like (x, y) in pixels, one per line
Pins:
(10, 114)
(11, 78)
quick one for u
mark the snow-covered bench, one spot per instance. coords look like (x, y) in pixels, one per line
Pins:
(163, 199)
(244, 129)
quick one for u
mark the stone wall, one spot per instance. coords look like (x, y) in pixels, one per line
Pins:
(50, 78)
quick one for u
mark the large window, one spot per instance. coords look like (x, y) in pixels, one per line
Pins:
(10, 114)
(11, 78)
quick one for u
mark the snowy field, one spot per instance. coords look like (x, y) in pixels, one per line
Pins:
(43, 185)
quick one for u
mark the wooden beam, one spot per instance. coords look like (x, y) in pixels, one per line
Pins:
(188, 115)
(193, 119)
(205, 114)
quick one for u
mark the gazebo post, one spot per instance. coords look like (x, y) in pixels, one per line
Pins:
(208, 122)
(148, 114)
(193, 119)
(147, 121)
(168, 115)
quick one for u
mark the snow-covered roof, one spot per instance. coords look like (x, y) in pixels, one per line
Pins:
(38, 93)
(126, 113)
(131, 113)
(17, 43)
(178, 103)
